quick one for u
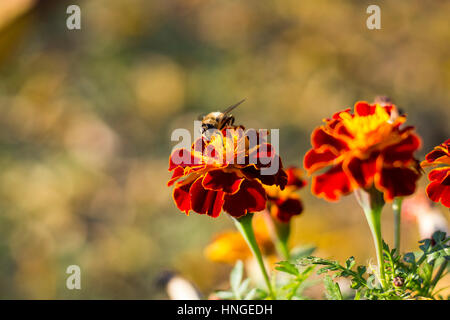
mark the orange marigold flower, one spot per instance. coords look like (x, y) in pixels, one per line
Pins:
(439, 187)
(284, 204)
(225, 172)
(230, 246)
(364, 149)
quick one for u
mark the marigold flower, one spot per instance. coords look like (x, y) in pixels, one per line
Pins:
(439, 187)
(213, 178)
(230, 246)
(364, 149)
(284, 204)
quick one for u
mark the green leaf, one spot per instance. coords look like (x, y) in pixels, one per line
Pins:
(287, 267)
(255, 294)
(333, 291)
(409, 258)
(236, 277)
(225, 295)
(243, 287)
(350, 263)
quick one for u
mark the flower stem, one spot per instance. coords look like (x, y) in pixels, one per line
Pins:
(373, 217)
(244, 225)
(279, 233)
(397, 208)
(372, 203)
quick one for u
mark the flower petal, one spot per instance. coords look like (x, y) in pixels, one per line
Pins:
(205, 201)
(182, 199)
(362, 108)
(284, 210)
(402, 151)
(315, 159)
(331, 184)
(250, 198)
(362, 171)
(439, 189)
(219, 180)
(396, 182)
(319, 138)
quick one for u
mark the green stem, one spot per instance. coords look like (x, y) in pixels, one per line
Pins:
(438, 275)
(279, 232)
(372, 203)
(397, 207)
(244, 225)
(373, 217)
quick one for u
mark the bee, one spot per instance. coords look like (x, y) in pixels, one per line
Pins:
(218, 120)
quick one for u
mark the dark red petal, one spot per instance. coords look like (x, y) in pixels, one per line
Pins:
(434, 154)
(440, 191)
(219, 180)
(286, 209)
(182, 198)
(362, 108)
(279, 178)
(183, 158)
(331, 184)
(363, 171)
(315, 159)
(177, 174)
(294, 177)
(250, 198)
(319, 138)
(402, 151)
(205, 201)
(439, 174)
(396, 182)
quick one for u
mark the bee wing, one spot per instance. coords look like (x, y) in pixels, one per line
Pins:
(228, 110)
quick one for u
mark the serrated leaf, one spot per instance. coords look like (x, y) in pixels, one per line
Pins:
(409, 257)
(255, 294)
(350, 263)
(244, 287)
(236, 277)
(333, 292)
(225, 295)
(287, 267)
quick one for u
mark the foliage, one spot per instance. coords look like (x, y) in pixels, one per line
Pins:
(411, 276)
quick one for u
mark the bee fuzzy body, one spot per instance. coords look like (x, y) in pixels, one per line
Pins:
(218, 120)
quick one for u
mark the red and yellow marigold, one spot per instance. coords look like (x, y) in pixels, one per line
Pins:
(439, 188)
(284, 204)
(364, 149)
(210, 178)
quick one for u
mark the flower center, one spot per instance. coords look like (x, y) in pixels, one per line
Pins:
(368, 130)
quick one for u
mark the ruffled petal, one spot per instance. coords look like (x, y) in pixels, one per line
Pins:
(362, 171)
(316, 159)
(319, 138)
(362, 108)
(177, 174)
(402, 151)
(250, 198)
(331, 184)
(220, 180)
(205, 201)
(284, 210)
(182, 199)
(439, 190)
(396, 182)
(294, 177)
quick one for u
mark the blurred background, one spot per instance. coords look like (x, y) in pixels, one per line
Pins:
(86, 117)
